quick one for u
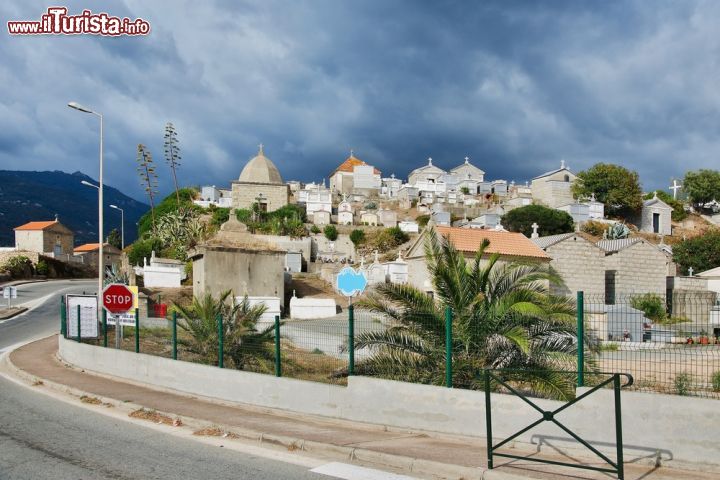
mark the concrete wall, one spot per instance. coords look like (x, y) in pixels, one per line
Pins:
(682, 431)
(302, 245)
(311, 308)
(245, 272)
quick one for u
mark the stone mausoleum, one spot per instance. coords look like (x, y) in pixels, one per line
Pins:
(260, 182)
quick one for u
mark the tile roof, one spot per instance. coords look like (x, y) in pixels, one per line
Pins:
(88, 247)
(350, 163)
(550, 240)
(37, 225)
(504, 243)
(617, 245)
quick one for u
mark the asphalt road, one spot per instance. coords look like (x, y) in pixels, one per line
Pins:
(44, 438)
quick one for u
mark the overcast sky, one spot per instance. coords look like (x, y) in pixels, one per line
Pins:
(516, 86)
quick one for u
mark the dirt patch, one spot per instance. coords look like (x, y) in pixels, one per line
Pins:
(215, 432)
(152, 416)
(90, 400)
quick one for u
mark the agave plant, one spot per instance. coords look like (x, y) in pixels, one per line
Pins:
(113, 274)
(503, 318)
(245, 344)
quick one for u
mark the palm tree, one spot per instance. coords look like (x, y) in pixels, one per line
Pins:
(244, 344)
(503, 318)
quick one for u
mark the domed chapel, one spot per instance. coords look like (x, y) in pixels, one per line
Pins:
(260, 182)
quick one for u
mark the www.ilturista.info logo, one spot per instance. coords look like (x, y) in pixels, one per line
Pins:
(57, 22)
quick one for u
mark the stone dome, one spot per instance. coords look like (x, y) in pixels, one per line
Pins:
(261, 169)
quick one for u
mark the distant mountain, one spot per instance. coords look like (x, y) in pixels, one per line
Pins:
(35, 196)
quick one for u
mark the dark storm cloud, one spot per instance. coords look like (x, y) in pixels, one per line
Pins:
(515, 85)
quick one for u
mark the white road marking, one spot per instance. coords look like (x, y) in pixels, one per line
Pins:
(353, 472)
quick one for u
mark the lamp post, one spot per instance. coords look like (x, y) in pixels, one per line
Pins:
(101, 258)
(122, 225)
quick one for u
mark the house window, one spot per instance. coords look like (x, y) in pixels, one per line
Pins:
(566, 178)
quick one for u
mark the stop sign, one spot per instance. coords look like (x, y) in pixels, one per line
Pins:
(117, 298)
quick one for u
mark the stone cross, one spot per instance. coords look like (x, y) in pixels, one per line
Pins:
(562, 163)
(592, 197)
(377, 259)
(535, 233)
(690, 272)
(352, 152)
(261, 148)
(675, 187)
(467, 159)
(430, 161)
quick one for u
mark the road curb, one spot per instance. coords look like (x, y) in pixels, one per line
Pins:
(13, 314)
(350, 454)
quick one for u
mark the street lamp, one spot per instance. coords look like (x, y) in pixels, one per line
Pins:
(101, 258)
(88, 184)
(122, 225)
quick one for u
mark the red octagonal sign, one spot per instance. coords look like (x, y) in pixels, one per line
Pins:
(117, 298)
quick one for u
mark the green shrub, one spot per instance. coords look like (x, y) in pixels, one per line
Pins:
(422, 220)
(357, 237)
(18, 267)
(331, 233)
(168, 205)
(683, 383)
(551, 221)
(653, 306)
(42, 267)
(143, 248)
(315, 229)
(219, 216)
(715, 380)
(594, 228)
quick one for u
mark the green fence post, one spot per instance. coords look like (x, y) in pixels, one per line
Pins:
(137, 330)
(278, 358)
(351, 340)
(221, 353)
(174, 335)
(63, 317)
(580, 339)
(78, 324)
(618, 428)
(104, 327)
(448, 347)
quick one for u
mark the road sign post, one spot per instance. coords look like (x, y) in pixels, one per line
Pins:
(117, 299)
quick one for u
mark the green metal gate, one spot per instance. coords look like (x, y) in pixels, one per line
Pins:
(616, 467)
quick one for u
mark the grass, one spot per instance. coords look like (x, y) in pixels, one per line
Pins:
(683, 383)
(609, 347)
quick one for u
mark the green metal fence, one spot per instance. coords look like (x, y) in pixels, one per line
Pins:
(668, 345)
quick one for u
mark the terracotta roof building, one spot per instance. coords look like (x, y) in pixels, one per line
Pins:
(89, 252)
(354, 174)
(509, 246)
(48, 237)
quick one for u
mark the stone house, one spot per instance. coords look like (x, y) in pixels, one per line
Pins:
(634, 265)
(260, 182)
(468, 171)
(342, 179)
(369, 218)
(509, 245)
(579, 262)
(321, 217)
(51, 237)
(387, 218)
(655, 217)
(553, 188)
(426, 173)
(89, 253)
